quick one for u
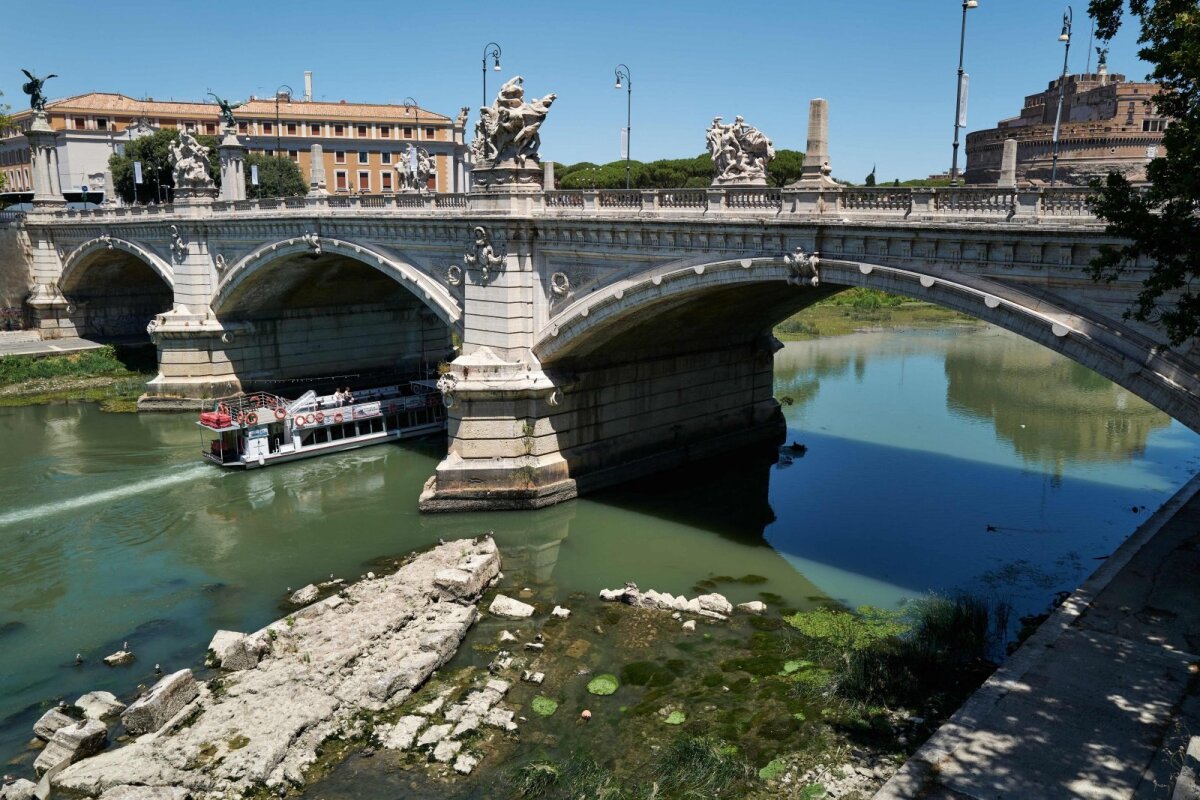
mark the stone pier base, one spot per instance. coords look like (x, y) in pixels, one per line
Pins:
(529, 441)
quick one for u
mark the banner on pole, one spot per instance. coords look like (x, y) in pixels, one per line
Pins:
(137, 172)
(624, 142)
(962, 100)
(254, 174)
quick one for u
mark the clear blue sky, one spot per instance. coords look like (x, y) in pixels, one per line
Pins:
(886, 66)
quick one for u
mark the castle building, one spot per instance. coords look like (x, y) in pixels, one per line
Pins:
(361, 142)
(1108, 125)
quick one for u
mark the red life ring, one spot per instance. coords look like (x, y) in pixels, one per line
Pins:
(337, 417)
(310, 419)
(252, 418)
(298, 420)
(241, 418)
(280, 412)
(320, 417)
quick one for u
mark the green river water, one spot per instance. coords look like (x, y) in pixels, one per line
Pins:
(113, 530)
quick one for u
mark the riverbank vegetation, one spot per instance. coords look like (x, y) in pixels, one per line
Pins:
(112, 376)
(859, 309)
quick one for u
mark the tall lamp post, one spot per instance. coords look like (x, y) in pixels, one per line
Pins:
(622, 73)
(282, 86)
(1065, 38)
(411, 107)
(490, 50)
(961, 89)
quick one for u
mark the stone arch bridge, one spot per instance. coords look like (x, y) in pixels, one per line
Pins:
(587, 336)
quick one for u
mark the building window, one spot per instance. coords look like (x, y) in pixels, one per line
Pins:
(268, 127)
(80, 124)
(385, 157)
(269, 153)
(291, 129)
(294, 155)
(362, 131)
(1154, 125)
(339, 180)
(339, 156)
(408, 133)
(385, 131)
(209, 127)
(190, 127)
(364, 157)
(314, 130)
(364, 181)
(385, 181)
(429, 134)
(339, 130)
(101, 124)
(243, 127)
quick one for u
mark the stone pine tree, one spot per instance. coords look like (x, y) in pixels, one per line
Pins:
(1161, 223)
(153, 151)
(277, 177)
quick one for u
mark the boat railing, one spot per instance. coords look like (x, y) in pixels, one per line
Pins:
(305, 400)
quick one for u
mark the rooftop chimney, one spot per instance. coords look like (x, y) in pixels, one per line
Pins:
(308, 86)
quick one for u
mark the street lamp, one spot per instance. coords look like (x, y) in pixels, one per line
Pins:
(1065, 38)
(282, 86)
(490, 50)
(622, 73)
(959, 122)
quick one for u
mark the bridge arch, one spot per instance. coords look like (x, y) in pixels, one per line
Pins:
(115, 286)
(330, 311)
(746, 297)
(429, 291)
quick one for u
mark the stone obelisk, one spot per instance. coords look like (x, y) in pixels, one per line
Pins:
(816, 172)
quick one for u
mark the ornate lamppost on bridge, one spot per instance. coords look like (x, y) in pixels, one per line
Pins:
(282, 86)
(490, 50)
(961, 90)
(1065, 38)
(622, 73)
(411, 107)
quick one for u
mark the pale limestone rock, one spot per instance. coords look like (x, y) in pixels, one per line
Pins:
(304, 595)
(716, 603)
(22, 789)
(403, 733)
(120, 658)
(433, 706)
(127, 792)
(465, 763)
(508, 607)
(235, 651)
(323, 670)
(612, 595)
(469, 723)
(165, 700)
(434, 734)
(505, 637)
(497, 685)
(753, 607)
(560, 612)
(445, 751)
(49, 723)
(500, 718)
(72, 743)
(100, 705)
(690, 625)
(533, 677)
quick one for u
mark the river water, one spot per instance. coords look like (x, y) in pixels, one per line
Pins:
(937, 460)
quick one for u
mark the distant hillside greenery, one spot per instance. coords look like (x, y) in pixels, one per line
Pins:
(670, 173)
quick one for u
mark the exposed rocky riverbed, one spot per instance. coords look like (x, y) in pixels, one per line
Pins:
(311, 677)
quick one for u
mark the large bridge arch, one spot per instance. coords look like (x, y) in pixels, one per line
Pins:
(746, 297)
(327, 309)
(114, 287)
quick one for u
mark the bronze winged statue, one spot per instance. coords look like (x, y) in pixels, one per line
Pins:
(227, 110)
(33, 88)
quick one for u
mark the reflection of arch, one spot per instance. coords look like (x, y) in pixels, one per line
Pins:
(425, 288)
(78, 258)
(1118, 354)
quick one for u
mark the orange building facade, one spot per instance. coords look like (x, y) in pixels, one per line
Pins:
(362, 143)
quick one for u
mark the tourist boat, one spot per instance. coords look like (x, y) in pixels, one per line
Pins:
(257, 429)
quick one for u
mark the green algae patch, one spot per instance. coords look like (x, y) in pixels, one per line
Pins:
(772, 770)
(603, 685)
(676, 718)
(544, 705)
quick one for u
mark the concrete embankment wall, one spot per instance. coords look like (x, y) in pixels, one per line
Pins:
(14, 272)
(302, 344)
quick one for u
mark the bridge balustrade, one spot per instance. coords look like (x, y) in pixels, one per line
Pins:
(875, 199)
(975, 201)
(691, 199)
(1066, 202)
(757, 198)
(620, 198)
(564, 199)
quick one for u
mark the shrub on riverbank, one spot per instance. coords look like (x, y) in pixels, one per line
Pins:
(935, 648)
(100, 362)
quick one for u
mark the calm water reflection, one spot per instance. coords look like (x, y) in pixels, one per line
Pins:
(918, 441)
